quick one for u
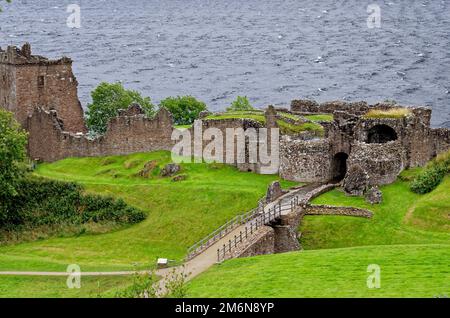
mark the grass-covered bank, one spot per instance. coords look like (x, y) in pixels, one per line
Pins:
(56, 287)
(406, 271)
(402, 218)
(408, 237)
(178, 213)
(44, 208)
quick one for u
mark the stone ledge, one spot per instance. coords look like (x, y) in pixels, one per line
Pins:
(337, 210)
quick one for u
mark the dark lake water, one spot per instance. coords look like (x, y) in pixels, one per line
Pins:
(273, 51)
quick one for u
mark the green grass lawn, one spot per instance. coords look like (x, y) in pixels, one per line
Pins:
(432, 211)
(402, 218)
(405, 271)
(285, 127)
(320, 117)
(179, 213)
(56, 287)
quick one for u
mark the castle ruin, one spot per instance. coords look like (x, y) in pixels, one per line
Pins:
(42, 94)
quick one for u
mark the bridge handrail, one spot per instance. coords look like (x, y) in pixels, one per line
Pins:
(259, 212)
(273, 213)
(222, 231)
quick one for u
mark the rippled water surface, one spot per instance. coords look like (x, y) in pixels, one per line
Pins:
(270, 50)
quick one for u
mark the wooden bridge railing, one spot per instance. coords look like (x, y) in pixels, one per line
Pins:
(226, 251)
(254, 219)
(219, 233)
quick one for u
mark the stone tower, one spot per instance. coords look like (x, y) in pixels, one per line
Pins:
(28, 81)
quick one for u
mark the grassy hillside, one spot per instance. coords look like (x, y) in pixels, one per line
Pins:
(402, 218)
(432, 211)
(406, 271)
(338, 250)
(179, 213)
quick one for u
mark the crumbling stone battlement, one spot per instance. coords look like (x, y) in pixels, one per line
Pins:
(30, 81)
(124, 135)
(22, 56)
(381, 146)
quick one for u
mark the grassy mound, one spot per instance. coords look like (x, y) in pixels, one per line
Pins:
(406, 271)
(44, 208)
(178, 213)
(392, 222)
(432, 211)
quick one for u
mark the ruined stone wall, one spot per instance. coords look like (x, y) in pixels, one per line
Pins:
(58, 92)
(337, 210)
(382, 162)
(307, 106)
(30, 81)
(305, 160)
(440, 140)
(8, 89)
(244, 163)
(261, 243)
(125, 134)
(413, 133)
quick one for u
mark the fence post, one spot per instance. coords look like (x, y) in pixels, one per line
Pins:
(230, 246)
(218, 255)
(240, 237)
(235, 236)
(246, 234)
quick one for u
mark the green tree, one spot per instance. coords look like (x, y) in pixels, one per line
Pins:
(13, 140)
(107, 99)
(184, 109)
(241, 103)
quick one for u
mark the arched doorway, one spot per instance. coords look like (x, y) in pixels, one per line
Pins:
(380, 134)
(339, 166)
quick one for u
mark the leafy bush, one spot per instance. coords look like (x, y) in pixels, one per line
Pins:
(241, 103)
(184, 109)
(428, 180)
(107, 99)
(12, 154)
(432, 175)
(41, 202)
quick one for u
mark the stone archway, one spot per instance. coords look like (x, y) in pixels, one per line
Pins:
(380, 134)
(339, 166)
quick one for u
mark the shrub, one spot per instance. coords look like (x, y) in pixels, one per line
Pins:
(241, 103)
(107, 99)
(432, 175)
(184, 109)
(41, 202)
(12, 154)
